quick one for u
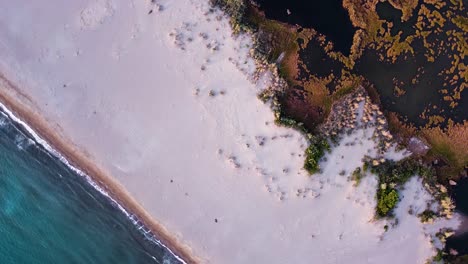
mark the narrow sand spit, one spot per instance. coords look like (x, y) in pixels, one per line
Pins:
(158, 96)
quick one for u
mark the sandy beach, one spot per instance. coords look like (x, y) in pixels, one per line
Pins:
(79, 160)
(155, 101)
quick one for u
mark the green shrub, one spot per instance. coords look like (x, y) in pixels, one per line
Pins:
(365, 167)
(265, 95)
(427, 215)
(287, 122)
(314, 153)
(236, 9)
(393, 174)
(357, 175)
(439, 256)
(386, 201)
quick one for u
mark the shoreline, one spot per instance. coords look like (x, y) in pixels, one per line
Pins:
(72, 157)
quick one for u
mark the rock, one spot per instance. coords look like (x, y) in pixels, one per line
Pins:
(417, 146)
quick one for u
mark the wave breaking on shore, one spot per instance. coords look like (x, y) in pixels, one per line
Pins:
(139, 225)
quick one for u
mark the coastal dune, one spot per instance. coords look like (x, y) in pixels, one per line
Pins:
(161, 96)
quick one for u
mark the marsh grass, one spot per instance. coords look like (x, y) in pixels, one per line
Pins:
(450, 145)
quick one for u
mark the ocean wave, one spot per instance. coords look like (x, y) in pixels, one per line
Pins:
(23, 142)
(2, 122)
(7, 114)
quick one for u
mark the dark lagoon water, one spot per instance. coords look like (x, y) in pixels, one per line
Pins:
(424, 94)
(51, 214)
(326, 16)
(386, 11)
(420, 96)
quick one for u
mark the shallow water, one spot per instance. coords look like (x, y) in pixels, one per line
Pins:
(50, 214)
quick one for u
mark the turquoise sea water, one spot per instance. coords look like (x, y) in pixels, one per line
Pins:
(50, 214)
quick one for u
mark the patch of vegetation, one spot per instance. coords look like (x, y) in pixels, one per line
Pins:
(274, 37)
(281, 119)
(398, 172)
(439, 256)
(353, 82)
(406, 6)
(387, 199)
(427, 216)
(451, 146)
(461, 22)
(391, 175)
(266, 95)
(318, 144)
(314, 153)
(236, 9)
(357, 175)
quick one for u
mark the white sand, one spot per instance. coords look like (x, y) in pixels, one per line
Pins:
(122, 85)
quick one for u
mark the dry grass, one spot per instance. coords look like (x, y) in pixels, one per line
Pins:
(406, 7)
(319, 94)
(282, 36)
(396, 126)
(450, 145)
